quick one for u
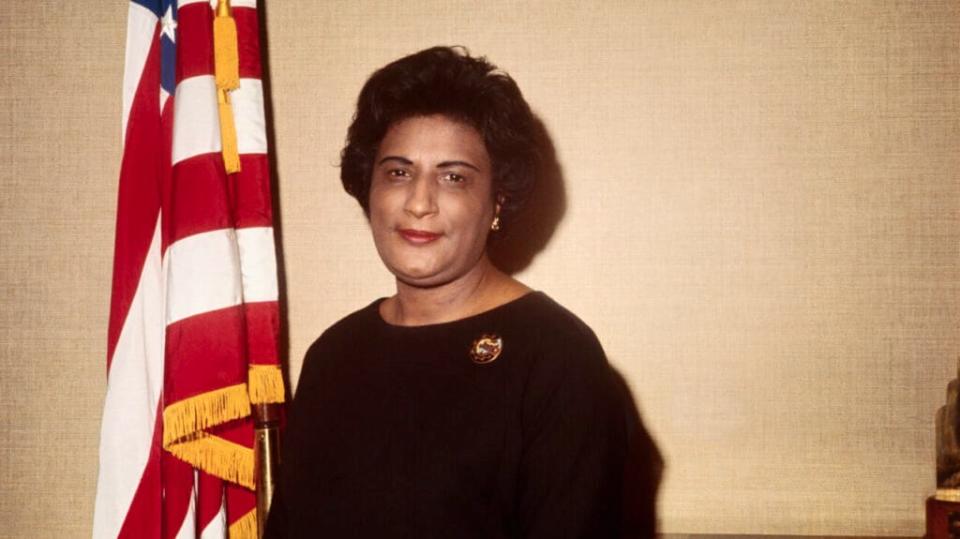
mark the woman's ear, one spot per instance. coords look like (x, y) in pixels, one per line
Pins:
(498, 204)
(495, 225)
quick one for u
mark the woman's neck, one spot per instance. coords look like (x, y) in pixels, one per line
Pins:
(481, 289)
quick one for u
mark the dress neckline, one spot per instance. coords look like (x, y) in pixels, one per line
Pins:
(375, 311)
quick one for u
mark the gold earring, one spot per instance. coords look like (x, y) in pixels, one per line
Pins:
(495, 225)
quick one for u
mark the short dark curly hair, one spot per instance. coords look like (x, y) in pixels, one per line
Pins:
(450, 82)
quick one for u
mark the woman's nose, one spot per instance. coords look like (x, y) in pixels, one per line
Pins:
(422, 197)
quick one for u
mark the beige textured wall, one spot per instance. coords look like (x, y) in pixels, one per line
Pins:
(762, 226)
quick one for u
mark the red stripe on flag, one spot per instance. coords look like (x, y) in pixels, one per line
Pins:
(248, 38)
(252, 192)
(204, 353)
(240, 501)
(195, 38)
(194, 41)
(143, 517)
(177, 491)
(209, 499)
(238, 432)
(263, 326)
(199, 199)
(204, 198)
(138, 198)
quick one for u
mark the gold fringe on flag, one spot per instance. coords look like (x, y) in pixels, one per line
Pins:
(188, 416)
(245, 527)
(183, 436)
(227, 74)
(265, 384)
(219, 457)
(184, 423)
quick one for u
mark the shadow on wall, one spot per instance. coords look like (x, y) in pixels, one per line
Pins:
(535, 224)
(529, 234)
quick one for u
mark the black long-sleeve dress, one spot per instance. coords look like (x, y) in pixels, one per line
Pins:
(415, 431)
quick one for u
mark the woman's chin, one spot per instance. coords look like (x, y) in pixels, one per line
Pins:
(421, 279)
(420, 275)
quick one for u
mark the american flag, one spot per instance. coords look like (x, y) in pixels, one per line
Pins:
(192, 339)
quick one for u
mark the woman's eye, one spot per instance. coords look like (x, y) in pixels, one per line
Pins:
(453, 177)
(397, 173)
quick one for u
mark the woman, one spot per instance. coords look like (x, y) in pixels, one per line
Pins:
(466, 405)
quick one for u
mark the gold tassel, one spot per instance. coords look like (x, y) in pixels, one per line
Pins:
(227, 74)
(226, 59)
(219, 457)
(265, 384)
(245, 527)
(190, 416)
(228, 133)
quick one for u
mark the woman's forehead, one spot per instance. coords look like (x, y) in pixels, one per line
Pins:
(433, 138)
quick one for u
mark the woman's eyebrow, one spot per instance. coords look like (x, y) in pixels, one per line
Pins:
(447, 164)
(402, 160)
(442, 164)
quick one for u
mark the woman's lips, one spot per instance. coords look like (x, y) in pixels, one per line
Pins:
(418, 236)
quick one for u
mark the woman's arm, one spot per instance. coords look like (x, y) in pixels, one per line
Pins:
(574, 445)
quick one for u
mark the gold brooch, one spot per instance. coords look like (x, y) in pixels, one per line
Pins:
(486, 349)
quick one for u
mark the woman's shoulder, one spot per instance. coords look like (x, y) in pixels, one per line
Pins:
(359, 324)
(557, 326)
(567, 374)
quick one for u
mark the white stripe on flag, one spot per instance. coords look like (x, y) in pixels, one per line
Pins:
(164, 96)
(247, 101)
(141, 23)
(258, 264)
(217, 528)
(203, 274)
(188, 528)
(197, 121)
(213, 3)
(134, 384)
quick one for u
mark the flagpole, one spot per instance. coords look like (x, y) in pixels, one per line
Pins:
(266, 457)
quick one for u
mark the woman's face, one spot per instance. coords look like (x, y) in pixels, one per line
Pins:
(431, 203)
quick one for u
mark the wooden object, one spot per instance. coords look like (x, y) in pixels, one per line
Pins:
(943, 519)
(266, 457)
